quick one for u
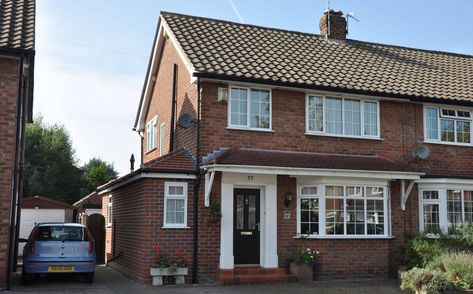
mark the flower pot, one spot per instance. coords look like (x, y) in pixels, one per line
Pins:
(303, 272)
(159, 273)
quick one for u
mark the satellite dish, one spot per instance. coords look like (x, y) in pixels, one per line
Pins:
(421, 152)
(185, 121)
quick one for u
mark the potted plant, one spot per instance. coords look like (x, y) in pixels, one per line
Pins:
(214, 214)
(165, 266)
(303, 265)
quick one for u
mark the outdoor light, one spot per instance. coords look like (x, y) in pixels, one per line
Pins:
(287, 199)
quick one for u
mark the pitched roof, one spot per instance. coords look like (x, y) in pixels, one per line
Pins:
(44, 203)
(176, 161)
(289, 159)
(233, 51)
(17, 24)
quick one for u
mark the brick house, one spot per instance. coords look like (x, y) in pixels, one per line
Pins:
(17, 20)
(349, 144)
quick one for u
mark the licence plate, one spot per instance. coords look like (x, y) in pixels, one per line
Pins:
(61, 268)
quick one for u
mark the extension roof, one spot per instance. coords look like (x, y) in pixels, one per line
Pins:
(231, 51)
(17, 24)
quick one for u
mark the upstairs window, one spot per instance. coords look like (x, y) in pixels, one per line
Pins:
(342, 117)
(161, 139)
(447, 125)
(249, 108)
(151, 134)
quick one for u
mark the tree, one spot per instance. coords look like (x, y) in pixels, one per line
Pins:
(96, 172)
(50, 164)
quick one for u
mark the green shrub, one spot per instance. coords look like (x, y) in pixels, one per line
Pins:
(429, 280)
(459, 266)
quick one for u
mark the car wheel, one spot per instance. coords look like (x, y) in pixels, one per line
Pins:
(89, 278)
(26, 279)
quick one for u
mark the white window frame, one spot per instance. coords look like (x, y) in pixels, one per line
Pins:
(161, 138)
(322, 211)
(448, 117)
(151, 134)
(362, 117)
(442, 201)
(248, 109)
(109, 211)
(184, 185)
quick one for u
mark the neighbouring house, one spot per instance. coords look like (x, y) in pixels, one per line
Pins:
(17, 31)
(39, 209)
(86, 206)
(305, 140)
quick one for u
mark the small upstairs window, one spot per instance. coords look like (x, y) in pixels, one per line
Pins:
(151, 134)
(447, 125)
(249, 108)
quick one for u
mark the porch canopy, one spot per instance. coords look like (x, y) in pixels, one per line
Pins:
(262, 161)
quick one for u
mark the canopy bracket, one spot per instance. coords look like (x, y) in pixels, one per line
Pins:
(405, 192)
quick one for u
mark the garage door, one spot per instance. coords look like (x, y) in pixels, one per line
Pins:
(30, 217)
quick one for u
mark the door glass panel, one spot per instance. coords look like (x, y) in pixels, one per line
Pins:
(240, 211)
(251, 212)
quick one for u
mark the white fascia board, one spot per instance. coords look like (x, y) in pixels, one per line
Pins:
(163, 32)
(314, 172)
(149, 175)
(444, 182)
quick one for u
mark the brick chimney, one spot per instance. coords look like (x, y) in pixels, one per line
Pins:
(333, 25)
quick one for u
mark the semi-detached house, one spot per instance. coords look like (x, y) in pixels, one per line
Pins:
(304, 140)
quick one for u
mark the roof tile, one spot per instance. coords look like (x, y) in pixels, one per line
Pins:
(17, 24)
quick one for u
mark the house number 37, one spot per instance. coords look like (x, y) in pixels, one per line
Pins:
(250, 178)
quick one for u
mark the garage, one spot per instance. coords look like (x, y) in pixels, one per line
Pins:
(40, 209)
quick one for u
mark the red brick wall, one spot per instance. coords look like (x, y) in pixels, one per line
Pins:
(401, 130)
(138, 221)
(161, 102)
(8, 109)
(108, 229)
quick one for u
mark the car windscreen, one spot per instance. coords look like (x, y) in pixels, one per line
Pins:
(61, 233)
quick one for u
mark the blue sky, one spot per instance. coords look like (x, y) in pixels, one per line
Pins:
(92, 55)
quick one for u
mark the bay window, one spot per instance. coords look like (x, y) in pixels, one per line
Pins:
(442, 209)
(249, 108)
(447, 125)
(343, 210)
(342, 117)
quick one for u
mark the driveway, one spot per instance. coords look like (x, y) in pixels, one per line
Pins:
(110, 281)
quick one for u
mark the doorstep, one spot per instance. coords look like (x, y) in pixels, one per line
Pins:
(248, 275)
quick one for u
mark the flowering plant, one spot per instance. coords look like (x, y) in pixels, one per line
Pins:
(162, 261)
(181, 259)
(307, 256)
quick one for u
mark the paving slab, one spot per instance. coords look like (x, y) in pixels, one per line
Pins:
(108, 280)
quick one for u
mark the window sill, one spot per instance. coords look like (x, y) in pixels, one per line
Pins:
(152, 149)
(250, 129)
(449, 143)
(175, 227)
(344, 136)
(346, 237)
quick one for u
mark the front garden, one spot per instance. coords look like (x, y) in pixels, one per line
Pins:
(439, 263)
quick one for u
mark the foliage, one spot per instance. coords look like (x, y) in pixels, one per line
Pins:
(179, 261)
(459, 267)
(50, 163)
(429, 280)
(421, 250)
(162, 261)
(307, 256)
(214, 214)
(96, 172)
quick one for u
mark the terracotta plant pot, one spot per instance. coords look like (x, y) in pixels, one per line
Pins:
(303, 272)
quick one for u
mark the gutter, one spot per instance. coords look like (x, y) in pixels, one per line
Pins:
(173, 108)
(195, 254)
(17, 188)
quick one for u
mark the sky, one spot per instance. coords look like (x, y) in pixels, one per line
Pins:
(92, 55)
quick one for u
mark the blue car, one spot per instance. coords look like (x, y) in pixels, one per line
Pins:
(59, 248)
